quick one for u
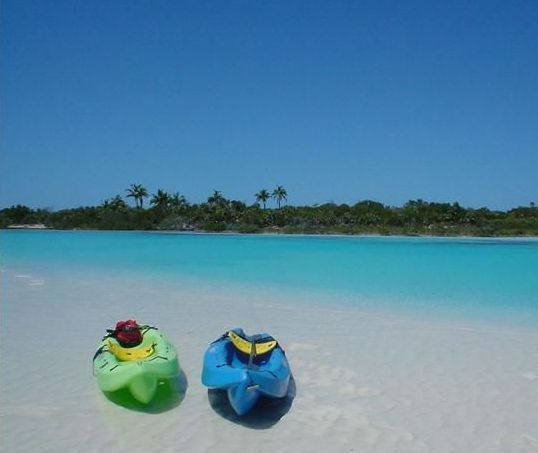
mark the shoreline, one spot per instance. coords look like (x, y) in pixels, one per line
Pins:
(269, 233)
(429, 309)
(287, 299)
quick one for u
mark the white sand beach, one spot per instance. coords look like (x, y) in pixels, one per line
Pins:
(363, 381)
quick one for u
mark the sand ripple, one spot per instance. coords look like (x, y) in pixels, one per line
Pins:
(364, 382)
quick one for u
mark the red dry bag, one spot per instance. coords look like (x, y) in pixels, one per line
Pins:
(128, 333)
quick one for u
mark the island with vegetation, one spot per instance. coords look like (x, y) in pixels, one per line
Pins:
(269, 213)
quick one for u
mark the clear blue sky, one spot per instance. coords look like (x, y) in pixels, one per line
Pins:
(335, 100)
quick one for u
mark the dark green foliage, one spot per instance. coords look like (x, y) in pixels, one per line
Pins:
(248, 229)
(22, 215)
(173, 212)
(214, 227)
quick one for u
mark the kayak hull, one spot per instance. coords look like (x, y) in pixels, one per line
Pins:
(227, 369)
(139, 377)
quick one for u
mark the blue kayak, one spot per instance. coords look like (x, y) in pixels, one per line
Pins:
(247, 367)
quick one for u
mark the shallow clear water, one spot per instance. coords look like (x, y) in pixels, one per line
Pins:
(396, 344)
(486, 278)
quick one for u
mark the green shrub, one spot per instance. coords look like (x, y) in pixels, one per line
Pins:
(249, 229)
(214, 227)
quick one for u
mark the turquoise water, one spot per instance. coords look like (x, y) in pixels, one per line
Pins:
(484, 277)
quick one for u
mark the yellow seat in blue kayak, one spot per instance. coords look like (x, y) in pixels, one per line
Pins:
(256, 348)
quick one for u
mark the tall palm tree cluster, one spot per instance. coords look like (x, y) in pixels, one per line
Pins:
(173, 211)
(279, 194)
(164, 201)
(161, 200)
(138, 192)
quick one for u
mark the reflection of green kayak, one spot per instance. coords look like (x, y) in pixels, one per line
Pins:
(139, 369)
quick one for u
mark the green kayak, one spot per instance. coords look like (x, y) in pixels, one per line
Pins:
(140, 368)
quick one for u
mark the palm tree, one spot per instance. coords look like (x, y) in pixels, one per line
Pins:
(178, 202)
(138, 192)
(216, 199)
(131, 192)
(279, 194)
(263, 195)
(115, 204)
(161, 199)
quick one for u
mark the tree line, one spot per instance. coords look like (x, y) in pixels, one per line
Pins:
(172, 211)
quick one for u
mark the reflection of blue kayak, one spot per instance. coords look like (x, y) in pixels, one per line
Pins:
(247, 367)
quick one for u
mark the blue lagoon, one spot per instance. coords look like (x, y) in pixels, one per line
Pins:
(464, 276)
